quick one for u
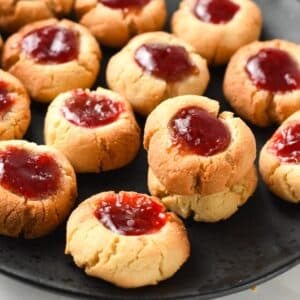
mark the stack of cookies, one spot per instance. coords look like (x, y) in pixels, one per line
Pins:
(200, 162)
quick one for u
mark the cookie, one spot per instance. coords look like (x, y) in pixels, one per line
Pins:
(15, 14)
(279, 161)
(211, 208)
(200, 151)
(217, 28)
(127, 239)
(153, 67)
(114, 22)
(38, 189)
(262, 81)
(96, 130)
(14, 107)
(50, 57)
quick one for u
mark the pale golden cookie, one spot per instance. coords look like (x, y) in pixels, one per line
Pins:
(93, 147)
(211, 208)
(259, 106)
(127, 261)
(14, 107)
(145, 90)
(114, 27)
(45, 79)
(282, 173)
(41, 193)
(15, 14)
(218, 42)
(185, 172)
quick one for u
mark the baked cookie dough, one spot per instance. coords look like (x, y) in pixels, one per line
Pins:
(96, 130)
(15, 14)
(211, 208)
(262, 81)
(37, 188)
(114, 22)
(217, 28)
(50, 57)
(192, 149)
(14, 107)
(279, 161)
(153, 67)
(127, 239)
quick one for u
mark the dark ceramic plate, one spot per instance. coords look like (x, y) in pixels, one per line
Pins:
(259, 242)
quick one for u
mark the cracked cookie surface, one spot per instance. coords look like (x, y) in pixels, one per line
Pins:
(125, 260)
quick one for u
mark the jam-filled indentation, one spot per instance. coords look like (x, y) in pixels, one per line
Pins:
(6, 99)
(123, 4)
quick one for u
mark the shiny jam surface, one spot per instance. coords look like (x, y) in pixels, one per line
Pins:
(51, 45)
(164, 61)
(124, 3)
(131, 214)
(91, 110)
(286, 144)
(6, 100)
(194, 129)
(273, 70)
(29, 175)
(215, 11)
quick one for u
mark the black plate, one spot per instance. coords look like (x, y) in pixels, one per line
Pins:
(259, 242)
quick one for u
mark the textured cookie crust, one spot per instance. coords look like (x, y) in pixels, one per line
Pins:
(115, 27)
(33, 218)
(15, 14)
(93, 149)
(185, 173)
(45, 81)
(281, 178)
(260, 107)
(126, 261)
(15, 121)
(218, 42)
(211, 208)
(145, 91)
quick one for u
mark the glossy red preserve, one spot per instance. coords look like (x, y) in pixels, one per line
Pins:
(286, 144)
(6, 100)
(131, 214)
(273, 70)
(195, 130)
(124, 3)
(91, 110)
(215, 11)
(164, 61)
(51, 45)
(27, 174)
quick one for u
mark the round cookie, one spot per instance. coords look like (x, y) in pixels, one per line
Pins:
(153, 67)
(14, 107)
(38, 189)
(211, 208)
(127, 239)
(279, 161)
(51, 57)
(113, 22)
(15, 14)
(200, 151)
(217, 28)
(262, 81)
(96, 130)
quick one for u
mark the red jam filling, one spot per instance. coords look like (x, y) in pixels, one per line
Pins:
(170, 63)
(131, 214)
(51, 45)
(91, 110)
(29, 175)
(273, 70)
(6, 101)
(124, 3)
(194, 129)
(286, 144)
(215, 11)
